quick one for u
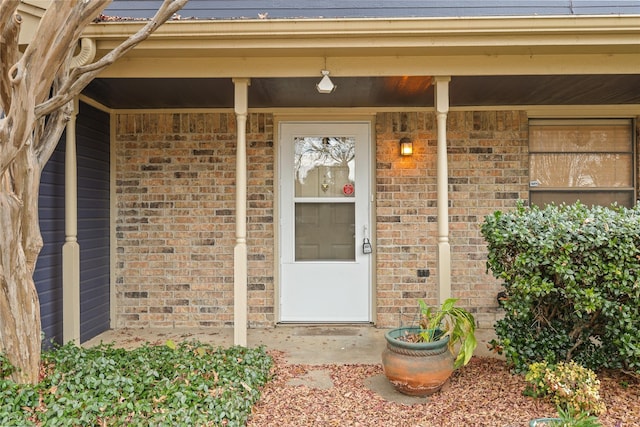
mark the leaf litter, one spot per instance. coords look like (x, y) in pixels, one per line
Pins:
(483, 393)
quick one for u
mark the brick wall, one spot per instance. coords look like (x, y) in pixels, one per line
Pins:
(175, 228)
(488, 170)
(175, 198)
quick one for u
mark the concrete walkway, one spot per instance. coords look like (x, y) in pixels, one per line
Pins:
(310, 345)
(304, 345)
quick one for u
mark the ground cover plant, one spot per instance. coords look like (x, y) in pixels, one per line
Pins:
(569, 386)
(572, 285)
(171, 384)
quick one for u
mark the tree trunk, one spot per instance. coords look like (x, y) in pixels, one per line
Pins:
(36, 91)
(19, 305)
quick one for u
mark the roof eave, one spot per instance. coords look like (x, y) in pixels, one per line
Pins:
(619, 32)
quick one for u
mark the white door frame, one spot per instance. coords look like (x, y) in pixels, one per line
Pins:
(285, 168)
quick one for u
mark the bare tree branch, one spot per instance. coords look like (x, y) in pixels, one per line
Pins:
(31, 77)
(7, 8)
(45, 58)
(82, 76)
(27, 141)
(49, 128)
(9, 33)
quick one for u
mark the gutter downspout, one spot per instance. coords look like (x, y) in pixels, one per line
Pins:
(240, 269)
(444, 250)
(86, 54)
(71, 247)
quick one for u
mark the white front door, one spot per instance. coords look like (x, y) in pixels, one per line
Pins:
(325, 189)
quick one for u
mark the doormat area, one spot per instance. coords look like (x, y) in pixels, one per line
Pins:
(326, 331)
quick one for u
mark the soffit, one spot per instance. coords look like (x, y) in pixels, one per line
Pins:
(372, 92)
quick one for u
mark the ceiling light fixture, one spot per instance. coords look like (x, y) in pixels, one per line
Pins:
(325, 85)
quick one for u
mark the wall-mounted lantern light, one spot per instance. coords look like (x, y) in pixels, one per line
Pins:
(406, 147)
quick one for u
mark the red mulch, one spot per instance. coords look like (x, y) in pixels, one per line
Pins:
(483, 393)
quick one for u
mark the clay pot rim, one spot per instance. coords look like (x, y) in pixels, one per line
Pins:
(392, 338)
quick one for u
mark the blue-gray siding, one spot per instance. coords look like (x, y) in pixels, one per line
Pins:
(292, 9)
(93, 220)
(92, 135)
(48, 273)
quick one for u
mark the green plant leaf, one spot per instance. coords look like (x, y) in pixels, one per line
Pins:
(150, 385)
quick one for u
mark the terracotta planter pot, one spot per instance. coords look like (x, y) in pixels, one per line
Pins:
(416, 369)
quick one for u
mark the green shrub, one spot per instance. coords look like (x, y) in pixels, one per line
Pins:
(571, 387)
(6, 368)
(571, 275)
(186, 384)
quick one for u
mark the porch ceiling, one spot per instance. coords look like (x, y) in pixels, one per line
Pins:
(376, 92)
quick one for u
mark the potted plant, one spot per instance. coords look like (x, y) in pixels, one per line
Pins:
(418, 360)
(567, 418)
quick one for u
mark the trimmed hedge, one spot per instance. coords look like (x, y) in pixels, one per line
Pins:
(572, 281)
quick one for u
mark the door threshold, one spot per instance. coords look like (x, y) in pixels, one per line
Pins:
(323, 324)
(325, 329)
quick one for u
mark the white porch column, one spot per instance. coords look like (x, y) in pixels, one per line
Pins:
(240, 250)
(444, 250)
(71, 248)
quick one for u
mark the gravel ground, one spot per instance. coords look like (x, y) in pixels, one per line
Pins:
(483, 393)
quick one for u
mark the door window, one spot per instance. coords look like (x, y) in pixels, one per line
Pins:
(324, 200)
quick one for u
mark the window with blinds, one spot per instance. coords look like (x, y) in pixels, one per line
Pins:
(587, 160)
